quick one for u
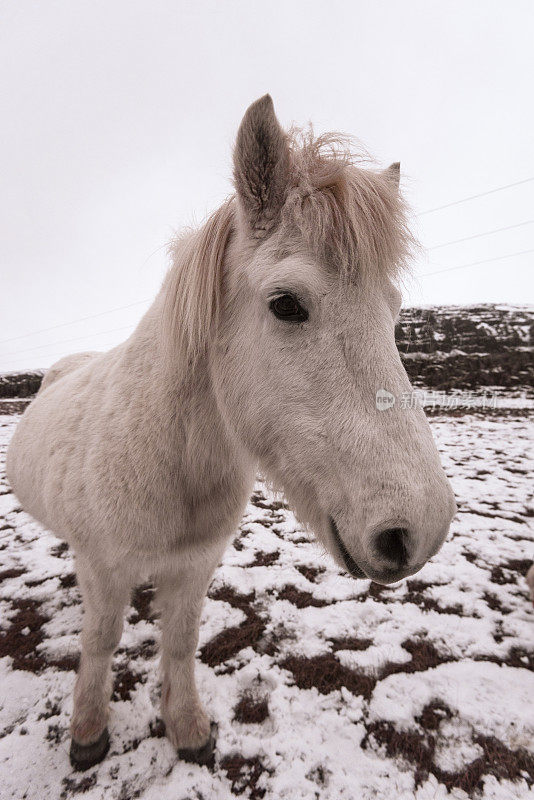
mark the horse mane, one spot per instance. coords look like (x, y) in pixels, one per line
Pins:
(348, 214)
(192, 290)
(350, 217)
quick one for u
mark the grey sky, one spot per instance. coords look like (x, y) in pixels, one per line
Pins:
(118, 119)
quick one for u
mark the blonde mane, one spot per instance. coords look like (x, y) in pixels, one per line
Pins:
(353, 217)
(349, 217)
(193, 286)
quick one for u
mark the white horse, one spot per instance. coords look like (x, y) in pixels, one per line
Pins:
(265, 348)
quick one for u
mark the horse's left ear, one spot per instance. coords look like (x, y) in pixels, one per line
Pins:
(261, 167)
(392, 173)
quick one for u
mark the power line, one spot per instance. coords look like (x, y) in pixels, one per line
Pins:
(127, 327)
(475, 196)
(65, 341)
(475, 263)
(74, 321)
(421, 213)
(479, 235)
(91, 316)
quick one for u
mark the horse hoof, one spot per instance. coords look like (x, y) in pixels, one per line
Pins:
(84, 756)
(203, 755)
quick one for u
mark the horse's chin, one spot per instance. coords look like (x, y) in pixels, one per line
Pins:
(352, 567)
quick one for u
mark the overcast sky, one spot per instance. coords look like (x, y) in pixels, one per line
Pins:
(118, 119)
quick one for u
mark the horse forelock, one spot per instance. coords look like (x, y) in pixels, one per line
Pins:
(349, 216)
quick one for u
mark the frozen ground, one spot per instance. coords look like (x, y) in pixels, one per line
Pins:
(322, 686)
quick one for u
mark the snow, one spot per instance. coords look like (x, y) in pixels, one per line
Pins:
(468, 687)
(445, 658)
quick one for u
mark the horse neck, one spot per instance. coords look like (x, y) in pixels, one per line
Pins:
(181, 400)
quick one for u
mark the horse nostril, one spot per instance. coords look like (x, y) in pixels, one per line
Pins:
(392, 545)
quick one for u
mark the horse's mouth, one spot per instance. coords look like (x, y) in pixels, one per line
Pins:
(348, 560)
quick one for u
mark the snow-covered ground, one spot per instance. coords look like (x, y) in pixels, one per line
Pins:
(322, 686)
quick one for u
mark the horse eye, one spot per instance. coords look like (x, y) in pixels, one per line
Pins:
(287, 308)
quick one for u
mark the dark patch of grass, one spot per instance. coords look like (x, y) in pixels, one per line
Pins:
(415, 595)
(147, 649)
(326, 674)
(157, 728)
(264, 559)
(21, 639)
(270, 641)
(497, 760)
(493, 602)
(125, 681)
(52, 710)
(418, 750)
(55, 734)
(251, 709)
(521, 565)
(517, 657)
(424, 656)
(229, 595)
(33, 582)
(244, 774)
(317, 775)
(20, 384)
(433, 715)
(299, 598)
(141, 601)
(376, 591)
(12, 572)
(73, 786)
(59, 550)
(414, 747)
(499, 577)
(15, 407)
(259, 500)
(505, 763)
(351, 643)
(230, 641)
(68, 581)
(310, 573)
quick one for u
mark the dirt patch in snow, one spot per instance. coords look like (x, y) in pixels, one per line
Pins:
(418, 749)
(227, 644)
(252, 709)
(23, 635)
(326, 674)
(244, 774)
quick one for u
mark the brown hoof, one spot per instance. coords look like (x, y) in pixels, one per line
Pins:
(85, 756)
(203, 755)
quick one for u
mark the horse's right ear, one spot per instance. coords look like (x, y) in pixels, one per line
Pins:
(392, 173)
(261, 167)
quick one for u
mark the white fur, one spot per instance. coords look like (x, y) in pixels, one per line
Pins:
(143, 458)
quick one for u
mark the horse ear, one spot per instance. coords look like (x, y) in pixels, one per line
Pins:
(392, 173)
(261, 167)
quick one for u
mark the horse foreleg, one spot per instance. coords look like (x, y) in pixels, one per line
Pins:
(180, 597)
(104, 598)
